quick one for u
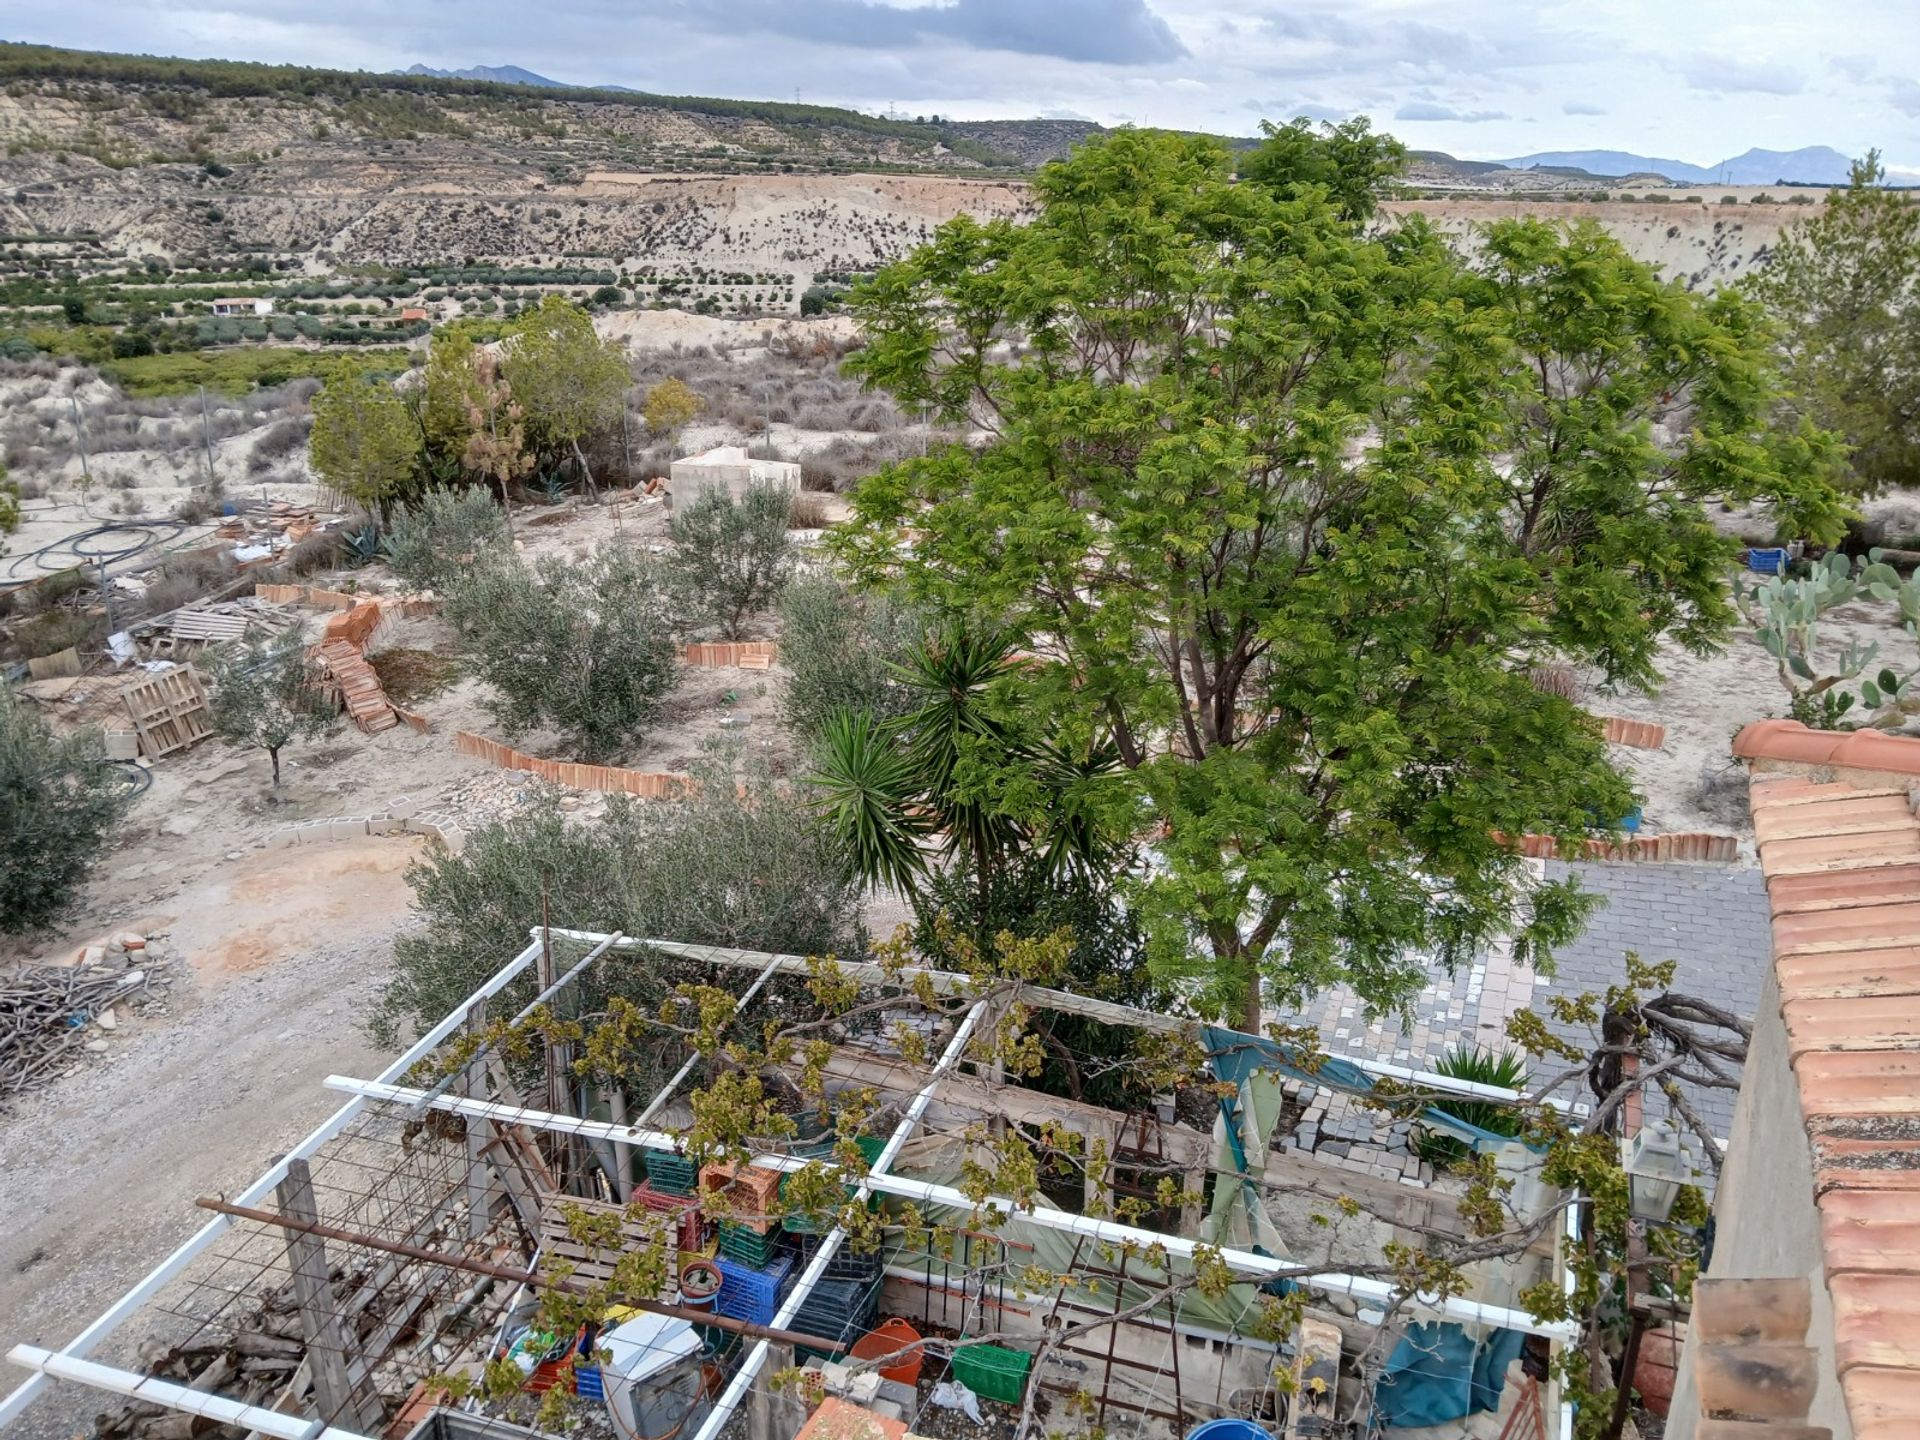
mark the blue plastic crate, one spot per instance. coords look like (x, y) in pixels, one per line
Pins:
(586, 1383)
(1769, 561)
(749, 1294)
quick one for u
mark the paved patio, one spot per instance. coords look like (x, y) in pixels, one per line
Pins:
(1712, 919)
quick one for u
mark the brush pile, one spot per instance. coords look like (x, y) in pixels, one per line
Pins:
(48, 1013)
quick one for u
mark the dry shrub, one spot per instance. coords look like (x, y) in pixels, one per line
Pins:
(278, 441)
(1561, 680)
(808, 511)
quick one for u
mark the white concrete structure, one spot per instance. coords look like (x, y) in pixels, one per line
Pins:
(242, 306)
(728, 468)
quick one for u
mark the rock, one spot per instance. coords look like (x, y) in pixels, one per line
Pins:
(93, 955)
(107, 1020)
(127, 940)
(233, 854)
(179, 824)
(97, 1046)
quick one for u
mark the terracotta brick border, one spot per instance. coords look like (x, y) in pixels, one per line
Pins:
(1686, 845)
(647, 784)
(737, 654)
(1638, 733)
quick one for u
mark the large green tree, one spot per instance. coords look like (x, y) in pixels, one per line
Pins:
(365, 443)
(569, 382)
(1845, 286)
(1286, 514)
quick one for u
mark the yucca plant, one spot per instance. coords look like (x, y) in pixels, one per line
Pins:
(1481, 1066)
(867, 792)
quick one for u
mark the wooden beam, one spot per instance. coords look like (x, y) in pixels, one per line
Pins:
(313, 1292)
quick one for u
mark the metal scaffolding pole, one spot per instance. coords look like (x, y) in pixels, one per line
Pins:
(952, 982)
(1245, 1262)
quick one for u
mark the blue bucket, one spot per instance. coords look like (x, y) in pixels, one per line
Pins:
(1228, 1430)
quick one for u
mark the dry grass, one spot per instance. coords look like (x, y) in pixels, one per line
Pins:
(409, 676)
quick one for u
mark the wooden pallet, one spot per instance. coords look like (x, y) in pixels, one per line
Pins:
(358, 687)
(595, 1264)
(169, 711)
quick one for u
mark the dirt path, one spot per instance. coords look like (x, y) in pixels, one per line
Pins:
(275, 958)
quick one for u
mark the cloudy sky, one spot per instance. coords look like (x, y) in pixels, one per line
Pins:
(1695, 80)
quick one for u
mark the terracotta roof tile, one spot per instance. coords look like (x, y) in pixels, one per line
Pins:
(1861, 1082)
(1875, 1022)
(1874, 1232)
(1893, 970)
(1884, 1402)
(1843, 889)
(1840, 852)
(1840, 849)
(1874, 1319)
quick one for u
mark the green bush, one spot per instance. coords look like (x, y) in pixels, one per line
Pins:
(732, 862)
(582, 649)
(841, 648)
(1470, 1062)
(730, 557)
(63, 799)
(445, 532)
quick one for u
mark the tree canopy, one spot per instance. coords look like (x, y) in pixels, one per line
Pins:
(1845, 285)
(365, 442)
(1286, 513)
(567, 380)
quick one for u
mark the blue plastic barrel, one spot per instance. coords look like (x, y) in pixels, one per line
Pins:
(1228, 1430)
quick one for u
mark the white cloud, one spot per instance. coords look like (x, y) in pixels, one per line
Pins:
(1700, 81)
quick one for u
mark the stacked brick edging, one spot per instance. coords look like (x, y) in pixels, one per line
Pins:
(736, 654)
(1640, 734)
(1685, 845)
(647, 784)
(342, 600)
(401, 817)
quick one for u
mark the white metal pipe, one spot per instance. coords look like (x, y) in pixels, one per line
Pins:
(1245, 1262)
(15, 1404)
(750, 1367)
(176, 1397)
(666, 1091)
(1064, 1001)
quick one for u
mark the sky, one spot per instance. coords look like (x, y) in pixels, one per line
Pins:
(1695, 80)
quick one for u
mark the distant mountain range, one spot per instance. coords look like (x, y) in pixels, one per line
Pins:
(503, 74)
(1812, 165)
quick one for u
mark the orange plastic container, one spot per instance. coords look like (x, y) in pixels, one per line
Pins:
(889, 1337)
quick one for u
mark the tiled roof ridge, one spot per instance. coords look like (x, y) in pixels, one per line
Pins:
(1839, 842)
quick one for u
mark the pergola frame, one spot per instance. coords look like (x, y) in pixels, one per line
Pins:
(70, 1361)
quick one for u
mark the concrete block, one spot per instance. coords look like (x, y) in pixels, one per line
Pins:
(285, 836)
(122, 744)
(402, 807)
(346, 829)
(382, 825)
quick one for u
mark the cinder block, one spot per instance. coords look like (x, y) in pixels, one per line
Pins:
(382, 825)
(346, 828)
(285, 836)
(403, 807)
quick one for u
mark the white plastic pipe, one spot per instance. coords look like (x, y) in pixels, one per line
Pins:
(176, 1397)
(1263, 1267)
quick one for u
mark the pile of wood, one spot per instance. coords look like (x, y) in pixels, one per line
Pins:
(258, 1361)
(45, 1015)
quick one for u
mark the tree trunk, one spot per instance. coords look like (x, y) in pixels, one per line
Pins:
(273, 754)
(586, 470)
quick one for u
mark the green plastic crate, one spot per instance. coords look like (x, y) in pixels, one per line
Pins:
(993, 1372)
(672, 1173)
(748, 1246)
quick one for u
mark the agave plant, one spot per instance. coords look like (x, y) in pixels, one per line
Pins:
(1472, 1062)
(362, 546)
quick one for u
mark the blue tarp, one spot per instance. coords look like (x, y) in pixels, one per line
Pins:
(1438, 1373)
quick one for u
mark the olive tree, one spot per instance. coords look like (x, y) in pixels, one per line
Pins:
(267, 693)
(731, 556)
(59, 802)
(583, 649)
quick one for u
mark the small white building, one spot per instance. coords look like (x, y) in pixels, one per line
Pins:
(728, 468)
(242, 306)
